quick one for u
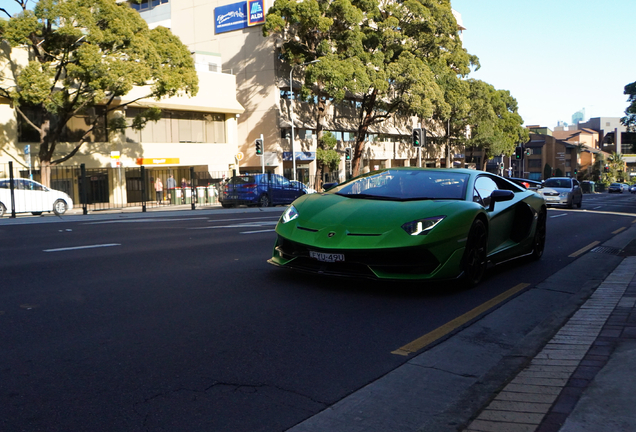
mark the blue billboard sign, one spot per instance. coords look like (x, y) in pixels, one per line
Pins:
(230, 17)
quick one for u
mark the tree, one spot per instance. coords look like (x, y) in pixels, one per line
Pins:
(617, 166)
(452, 112)
(630, 112)
(86, 54)
(382, 55)
(495, 124)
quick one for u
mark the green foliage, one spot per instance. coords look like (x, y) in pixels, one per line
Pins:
(496, 126)
(326, 153)
(630, 112)
(86, 53)
(547, 171)
(385, 55)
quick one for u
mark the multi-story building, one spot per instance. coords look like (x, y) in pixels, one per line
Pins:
(267, 90)
(195, 133)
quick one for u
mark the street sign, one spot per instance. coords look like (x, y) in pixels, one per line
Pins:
(239, 156)
(27, 149)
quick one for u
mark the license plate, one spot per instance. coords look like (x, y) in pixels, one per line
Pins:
(551, 198)
(326, 257)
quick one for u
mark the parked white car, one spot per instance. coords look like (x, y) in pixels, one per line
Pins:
(32, 197)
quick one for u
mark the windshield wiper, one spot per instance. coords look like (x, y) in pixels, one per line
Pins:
(389, 198)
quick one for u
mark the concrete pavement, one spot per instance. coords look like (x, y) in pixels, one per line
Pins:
(584, 379)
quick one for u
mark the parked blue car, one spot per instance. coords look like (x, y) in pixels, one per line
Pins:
(263, 190)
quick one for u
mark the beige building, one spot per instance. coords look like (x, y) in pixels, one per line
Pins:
(221, 42)
(197, 133)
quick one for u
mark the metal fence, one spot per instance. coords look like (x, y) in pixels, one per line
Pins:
(96, 189)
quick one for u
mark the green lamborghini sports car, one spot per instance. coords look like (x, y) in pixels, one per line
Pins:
(412, 224)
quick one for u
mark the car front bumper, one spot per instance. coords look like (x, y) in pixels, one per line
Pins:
(407, 263)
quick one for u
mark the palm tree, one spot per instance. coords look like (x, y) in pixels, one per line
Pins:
(617, 164)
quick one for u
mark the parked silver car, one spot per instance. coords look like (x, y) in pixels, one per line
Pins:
(562, 191)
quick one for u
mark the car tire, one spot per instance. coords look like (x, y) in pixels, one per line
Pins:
(578, 205)
(59, 207)
(474, 261)
(3, 209)
(570, 204)
(226, 205)
(538, 243)
(36, 213)
(264, 201)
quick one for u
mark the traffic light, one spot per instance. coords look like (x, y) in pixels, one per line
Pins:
(418, 137)
(259, 146)
(518, 152)
(606, 169)
(348, 153)
(528, 151)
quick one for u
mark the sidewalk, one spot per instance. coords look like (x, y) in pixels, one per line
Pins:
(584, 379)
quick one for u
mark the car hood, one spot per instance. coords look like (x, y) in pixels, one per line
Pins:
(552, 190)
(339, 221)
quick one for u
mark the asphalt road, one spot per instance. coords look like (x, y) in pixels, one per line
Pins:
(175, 322)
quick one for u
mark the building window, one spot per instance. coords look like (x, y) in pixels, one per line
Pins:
(537, 150)
(178, 126)
(146, 4)
(534, 163)
(73, 131)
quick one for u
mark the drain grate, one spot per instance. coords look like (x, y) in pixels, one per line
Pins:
(606, 250)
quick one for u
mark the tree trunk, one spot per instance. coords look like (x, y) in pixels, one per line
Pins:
(45, 153)
(363, 129)
(320, 166)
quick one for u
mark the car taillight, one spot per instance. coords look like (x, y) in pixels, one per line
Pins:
(250, 186)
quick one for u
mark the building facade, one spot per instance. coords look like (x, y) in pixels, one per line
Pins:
(235, 44)
(195, 133)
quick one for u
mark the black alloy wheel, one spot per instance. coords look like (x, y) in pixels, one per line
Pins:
(264, 201)
(474, 262)
(538, 243)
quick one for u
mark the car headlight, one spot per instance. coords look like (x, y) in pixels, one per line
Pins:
(564, 194)
(422, 226)
(290, 214)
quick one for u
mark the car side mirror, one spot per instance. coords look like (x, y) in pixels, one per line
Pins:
(500, 195)
(327, 186)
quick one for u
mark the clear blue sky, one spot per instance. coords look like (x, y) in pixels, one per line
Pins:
(555, 57)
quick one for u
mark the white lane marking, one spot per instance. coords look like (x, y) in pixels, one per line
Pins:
(256, 232)
(559, 215)
(149, 220)
(242, 219)
(244, 225)
(597, 207)
(82, 247)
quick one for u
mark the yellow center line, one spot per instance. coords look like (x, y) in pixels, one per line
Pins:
(450, 326)
(619, 230)
(583, 250)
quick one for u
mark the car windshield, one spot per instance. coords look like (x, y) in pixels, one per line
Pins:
(558, 183)
(405, 185)
(615, 185)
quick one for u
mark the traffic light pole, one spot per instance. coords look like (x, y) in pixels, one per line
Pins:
(263, 155)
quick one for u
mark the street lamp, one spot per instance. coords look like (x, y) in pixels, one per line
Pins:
(291, 112)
